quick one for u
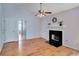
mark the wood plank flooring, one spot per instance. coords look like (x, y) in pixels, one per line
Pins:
(36, 47)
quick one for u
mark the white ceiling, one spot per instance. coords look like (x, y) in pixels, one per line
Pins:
(53, 7)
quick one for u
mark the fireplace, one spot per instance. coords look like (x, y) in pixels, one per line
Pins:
(55, 38)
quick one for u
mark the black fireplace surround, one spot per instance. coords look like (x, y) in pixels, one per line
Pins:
(55, 38)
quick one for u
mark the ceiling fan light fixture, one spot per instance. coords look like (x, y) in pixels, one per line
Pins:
(42, 13)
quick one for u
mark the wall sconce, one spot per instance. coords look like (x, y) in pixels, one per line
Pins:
(60, 23)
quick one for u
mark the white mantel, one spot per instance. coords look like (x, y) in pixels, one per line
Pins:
(55, 27)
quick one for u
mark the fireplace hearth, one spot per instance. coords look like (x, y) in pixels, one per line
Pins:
(55, 38)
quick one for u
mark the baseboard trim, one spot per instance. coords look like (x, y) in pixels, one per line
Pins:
(71, 48)
(33, 37)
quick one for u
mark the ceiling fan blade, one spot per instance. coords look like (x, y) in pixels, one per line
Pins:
(48, 12)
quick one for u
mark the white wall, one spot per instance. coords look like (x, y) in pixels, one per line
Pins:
(2, 26)
(70, 27)
(71, 31)
(15, 12)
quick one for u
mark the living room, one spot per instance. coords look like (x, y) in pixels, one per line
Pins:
(38, 24)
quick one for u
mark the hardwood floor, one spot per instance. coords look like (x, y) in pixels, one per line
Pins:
(36, 47)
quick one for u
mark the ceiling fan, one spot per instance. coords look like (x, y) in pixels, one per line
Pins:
(41, 12)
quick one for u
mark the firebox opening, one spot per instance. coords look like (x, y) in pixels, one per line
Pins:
(55, 38)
